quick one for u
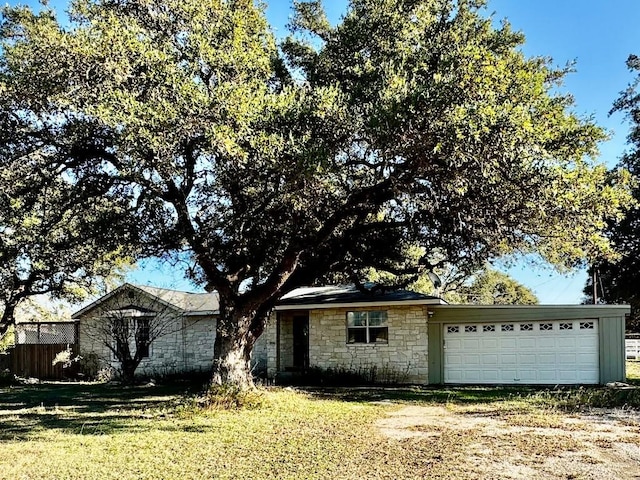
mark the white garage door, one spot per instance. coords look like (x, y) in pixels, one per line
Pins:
(551, 352)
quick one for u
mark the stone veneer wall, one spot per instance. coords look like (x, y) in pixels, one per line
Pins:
(188, 346)
(403, 358)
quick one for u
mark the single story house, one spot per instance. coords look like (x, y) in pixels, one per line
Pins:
(405, 336)
(180, 325)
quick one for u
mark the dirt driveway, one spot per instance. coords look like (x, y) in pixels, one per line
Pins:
(485, 442)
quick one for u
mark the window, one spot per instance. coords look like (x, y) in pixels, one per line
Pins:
(453, 329)
(545, 327)
(470, 328)
(507, 327)
(586, 325)
(566, 326)
(526, 327)
(367, 327)
(131, 335)
(142, 336)
(488, 328)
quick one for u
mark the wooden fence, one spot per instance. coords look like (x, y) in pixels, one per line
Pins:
(36, 346)
(32, 360)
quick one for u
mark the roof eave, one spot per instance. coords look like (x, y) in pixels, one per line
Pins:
(196, 313)
(80, 313)
(381, 303)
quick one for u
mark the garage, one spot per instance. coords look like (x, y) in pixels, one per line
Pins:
(547, 352)
(526, 345)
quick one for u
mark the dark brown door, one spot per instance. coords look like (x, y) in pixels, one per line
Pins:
(301, 342)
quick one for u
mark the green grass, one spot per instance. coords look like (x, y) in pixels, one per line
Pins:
(152, 434)
(97, 431)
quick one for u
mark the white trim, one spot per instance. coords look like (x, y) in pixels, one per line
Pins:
(624, 308)
(315, 306)
(198, 313)
(514, 307)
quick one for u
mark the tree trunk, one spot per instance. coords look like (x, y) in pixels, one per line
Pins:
(232, 351)
(7, 319)
(4, 328)
(128, 370)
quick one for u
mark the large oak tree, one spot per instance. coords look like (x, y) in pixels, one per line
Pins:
(410, 126)
(62, 230)
(619, 281)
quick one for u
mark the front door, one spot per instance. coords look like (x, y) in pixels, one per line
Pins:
(301, 342)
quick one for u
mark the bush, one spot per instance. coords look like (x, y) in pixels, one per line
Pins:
(6, 377)
(231, 397)
(342, 376)
(584, 398)
(91, 368)
(7, 340)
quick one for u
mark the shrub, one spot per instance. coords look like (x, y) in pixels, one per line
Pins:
(231, 397)
(7, 340)
(6, 377)
(343, 376)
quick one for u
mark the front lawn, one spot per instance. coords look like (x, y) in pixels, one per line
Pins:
(75, 431)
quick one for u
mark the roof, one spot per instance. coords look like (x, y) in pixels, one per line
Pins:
(305, 297)
(189, 303)
(349, 295)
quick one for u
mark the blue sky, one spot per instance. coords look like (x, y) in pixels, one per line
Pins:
(598, 35)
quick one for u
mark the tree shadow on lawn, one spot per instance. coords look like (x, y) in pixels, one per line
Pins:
(29, 410)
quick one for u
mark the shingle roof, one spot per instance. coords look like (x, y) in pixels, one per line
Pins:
(187, 301)
(208, 303)
(341, 294)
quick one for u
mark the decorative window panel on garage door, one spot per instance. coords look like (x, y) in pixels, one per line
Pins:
(549, 352)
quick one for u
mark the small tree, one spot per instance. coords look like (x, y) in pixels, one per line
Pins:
(126, 326)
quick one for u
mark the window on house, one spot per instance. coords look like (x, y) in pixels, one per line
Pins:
(132, 334)
(142, 336)
(367, 327)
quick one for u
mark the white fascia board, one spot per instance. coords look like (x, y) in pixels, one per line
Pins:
(195, 313)
(316, 306)
(524, 307)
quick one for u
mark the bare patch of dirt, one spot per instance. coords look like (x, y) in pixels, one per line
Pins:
(490, 442)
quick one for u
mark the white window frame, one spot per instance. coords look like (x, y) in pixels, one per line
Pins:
(367, 327)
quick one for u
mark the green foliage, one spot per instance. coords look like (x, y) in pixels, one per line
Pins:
(348, 376)
(232, 397)
(619, 281)
(583, 399)
(490, 287)
(7, 340)
(411, 126)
